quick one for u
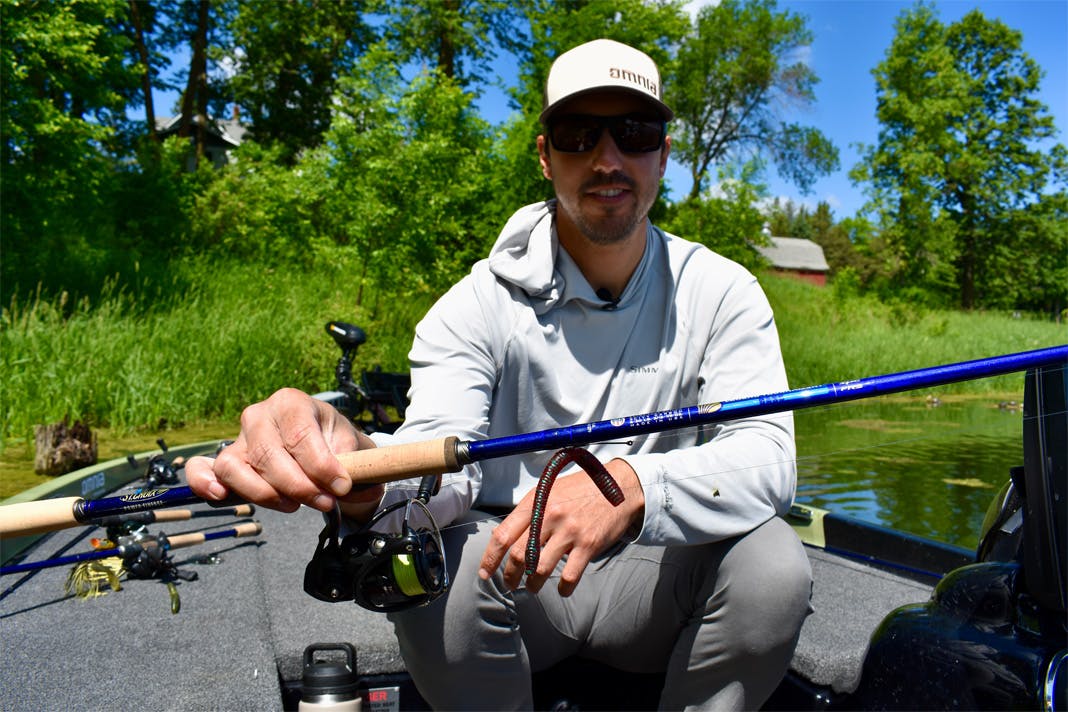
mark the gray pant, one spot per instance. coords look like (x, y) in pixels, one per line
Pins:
(721, 619)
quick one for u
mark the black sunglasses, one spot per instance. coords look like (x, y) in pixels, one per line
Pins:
(633, 133)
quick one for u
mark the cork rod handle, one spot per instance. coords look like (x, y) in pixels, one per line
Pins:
(36, 517)
(178, 541)
(399, 462)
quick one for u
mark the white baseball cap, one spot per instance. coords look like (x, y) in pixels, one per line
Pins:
(603, 64)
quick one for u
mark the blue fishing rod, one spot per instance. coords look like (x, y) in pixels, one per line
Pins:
(435, 457)
(130, 548)
(394, 462)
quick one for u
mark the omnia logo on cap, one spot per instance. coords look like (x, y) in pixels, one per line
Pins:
(629, 76)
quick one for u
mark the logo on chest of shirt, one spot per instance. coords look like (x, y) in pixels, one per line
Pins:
(644, 369)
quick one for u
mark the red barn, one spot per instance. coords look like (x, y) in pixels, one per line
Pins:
(795, 257)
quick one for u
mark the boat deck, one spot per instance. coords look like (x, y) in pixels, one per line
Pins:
(245, 622)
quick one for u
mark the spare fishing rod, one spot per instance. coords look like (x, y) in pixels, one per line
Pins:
(48, 515)
(435, 457)
(126, 524)
(141, 551)
(172, 515)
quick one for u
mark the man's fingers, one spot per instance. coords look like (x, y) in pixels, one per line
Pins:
(285, 453)
(501, 540)
(577, 561)
(200, 474)
(515, 561)
(303, 433)
(283, 457)
(233, 470)
(556, 547)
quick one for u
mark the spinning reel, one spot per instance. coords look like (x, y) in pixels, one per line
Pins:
(381, 571)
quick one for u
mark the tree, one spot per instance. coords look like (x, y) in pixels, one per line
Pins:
(66, 79)
(728, 222)
(286, 59)
(194, 103)
(457, 37)
(732, 70)
(1034, 274)
(957, 154)
(142, 15)
(401, 176)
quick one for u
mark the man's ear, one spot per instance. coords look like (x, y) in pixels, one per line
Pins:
(543, 158)
(664, 153)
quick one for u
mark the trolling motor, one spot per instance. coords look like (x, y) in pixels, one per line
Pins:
(381, 572)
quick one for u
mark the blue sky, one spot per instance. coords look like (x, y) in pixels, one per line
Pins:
(850, 38)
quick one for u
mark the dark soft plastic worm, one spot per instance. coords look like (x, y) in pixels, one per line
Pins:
(592, 466)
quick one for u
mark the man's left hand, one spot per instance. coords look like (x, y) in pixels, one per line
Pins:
(578, 522)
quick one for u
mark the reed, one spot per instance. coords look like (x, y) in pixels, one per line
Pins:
(206, 345)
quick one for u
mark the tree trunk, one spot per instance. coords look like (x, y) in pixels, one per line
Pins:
(447, 45)
(194, 99)
(61, 448)
(146, 74)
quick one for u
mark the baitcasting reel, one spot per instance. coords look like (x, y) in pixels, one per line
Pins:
(380, 571)
(160, 470)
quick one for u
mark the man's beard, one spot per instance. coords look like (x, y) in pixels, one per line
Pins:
(618, 227)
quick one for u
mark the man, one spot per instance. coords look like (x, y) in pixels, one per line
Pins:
(582, 311)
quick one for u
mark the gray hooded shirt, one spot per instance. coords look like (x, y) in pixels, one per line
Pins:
(523, 344)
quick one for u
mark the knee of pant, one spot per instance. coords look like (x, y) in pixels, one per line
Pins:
(770, 602)
(456, 619)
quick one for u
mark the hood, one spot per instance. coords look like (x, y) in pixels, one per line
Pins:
(525, 254)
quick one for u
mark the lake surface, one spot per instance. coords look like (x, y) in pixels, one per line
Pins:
(931, 469)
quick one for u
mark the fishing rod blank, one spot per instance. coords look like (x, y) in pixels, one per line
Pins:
(395, 462)
(171, 542)
(434, 457)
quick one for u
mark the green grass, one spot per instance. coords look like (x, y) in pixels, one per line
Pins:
(218, 337)
(829, 337)
(229, 336)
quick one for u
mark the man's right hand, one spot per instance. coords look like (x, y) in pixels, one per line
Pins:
(284, 456)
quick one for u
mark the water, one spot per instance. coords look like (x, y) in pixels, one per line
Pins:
(929, 469)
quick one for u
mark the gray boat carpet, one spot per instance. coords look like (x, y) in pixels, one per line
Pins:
(849, 599)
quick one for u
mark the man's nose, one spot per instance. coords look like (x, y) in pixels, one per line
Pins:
(606, 154)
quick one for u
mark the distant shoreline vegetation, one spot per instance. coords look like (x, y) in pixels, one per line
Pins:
(217, 338)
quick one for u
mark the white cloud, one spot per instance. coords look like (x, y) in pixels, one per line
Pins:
(694, 6)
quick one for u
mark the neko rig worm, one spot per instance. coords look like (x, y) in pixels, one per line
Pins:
(592, 467)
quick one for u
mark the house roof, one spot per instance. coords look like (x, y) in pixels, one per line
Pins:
(794, 253)
(230, 132)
